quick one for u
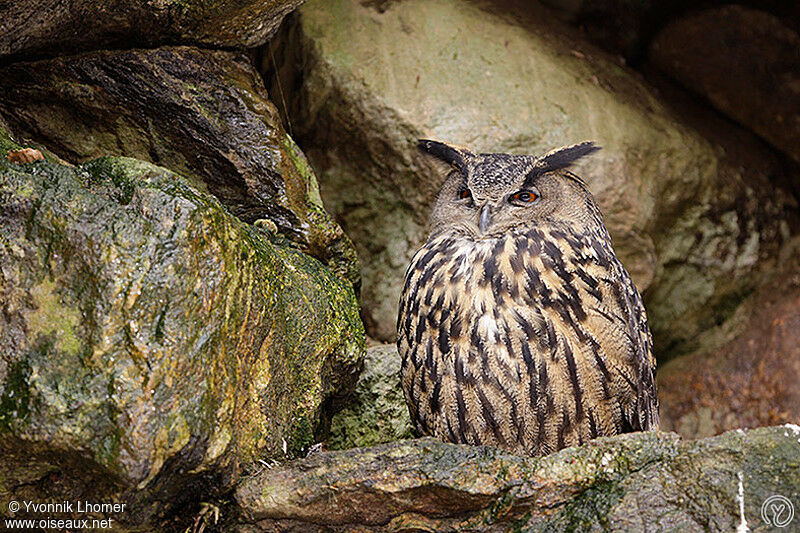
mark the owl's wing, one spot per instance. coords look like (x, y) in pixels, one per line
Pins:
(605, 327)
(589, 331)
(630, 350)
(645, 414)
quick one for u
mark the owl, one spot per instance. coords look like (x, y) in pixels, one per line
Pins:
(518, 327)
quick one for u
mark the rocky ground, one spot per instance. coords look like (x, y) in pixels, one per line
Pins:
(202, 248)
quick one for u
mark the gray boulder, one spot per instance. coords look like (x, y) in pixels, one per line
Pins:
(629, 483)
(749, 373)
(745, 62)
(691, 219)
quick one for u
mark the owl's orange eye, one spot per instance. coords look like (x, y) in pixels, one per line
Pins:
(524, 197)
(463, 194)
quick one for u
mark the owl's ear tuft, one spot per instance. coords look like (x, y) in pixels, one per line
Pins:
(449, 153)
(566, 156)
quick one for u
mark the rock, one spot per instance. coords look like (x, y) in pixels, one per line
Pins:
(689, 224)
(31, 28)
(150, 342)
(619, 26)
(203, 114)
(377, 412)
(745, 62)
(752, 380)
(7, 142)
(632, 482)
(626, 26)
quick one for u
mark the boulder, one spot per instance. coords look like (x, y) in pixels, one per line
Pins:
(689, 223)
(746, 62)
(150, 342)
(619, 26)
(377, 412)
(200, 113)
(751, 380)
(626, 26)
(628, 483)
(34, 28)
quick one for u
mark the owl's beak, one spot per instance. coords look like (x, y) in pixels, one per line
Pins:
(485, 219)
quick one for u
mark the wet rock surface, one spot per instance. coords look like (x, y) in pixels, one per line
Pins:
(33, 28)
(688, 223)
(633, 482)
(204, 114)
(152, 342)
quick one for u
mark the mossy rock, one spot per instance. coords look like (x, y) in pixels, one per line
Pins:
(30, 28)
(203, 114)
(377, 412)
(153, 342)
(629, 483)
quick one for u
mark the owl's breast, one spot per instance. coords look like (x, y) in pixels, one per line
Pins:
(526, 342)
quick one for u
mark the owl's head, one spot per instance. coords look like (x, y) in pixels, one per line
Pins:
(489, 195)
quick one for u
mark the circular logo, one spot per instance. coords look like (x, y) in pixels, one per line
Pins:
(777, 511)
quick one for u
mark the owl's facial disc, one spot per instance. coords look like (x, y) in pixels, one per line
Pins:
(488, 195)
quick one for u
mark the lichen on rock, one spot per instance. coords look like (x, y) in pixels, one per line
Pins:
(377, 412)
(627, 483)
(201, 113)
(149, 331)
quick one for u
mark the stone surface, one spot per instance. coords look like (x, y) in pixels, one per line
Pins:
(200, 113)
(752, 380)
(7, 138)
(746, 62)
(151, 341)
(626, 26)
(34, 28)
(620, 26)
(377, 412)
(629, 483)
(689, 224)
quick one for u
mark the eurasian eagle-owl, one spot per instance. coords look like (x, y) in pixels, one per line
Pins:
(518, 326)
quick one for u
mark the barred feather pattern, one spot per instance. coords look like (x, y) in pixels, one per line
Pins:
(531, 342)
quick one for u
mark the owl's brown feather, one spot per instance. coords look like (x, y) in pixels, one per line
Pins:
(532, 341)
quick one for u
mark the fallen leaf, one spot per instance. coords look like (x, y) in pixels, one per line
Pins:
(26, 155)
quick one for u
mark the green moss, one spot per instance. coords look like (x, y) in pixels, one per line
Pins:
(53, 317)
(588, 510)
(302, 435)
(108, 447)
(377, 412)
(16, 396)
(304, 171)
(151, 302)
(6, 140)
